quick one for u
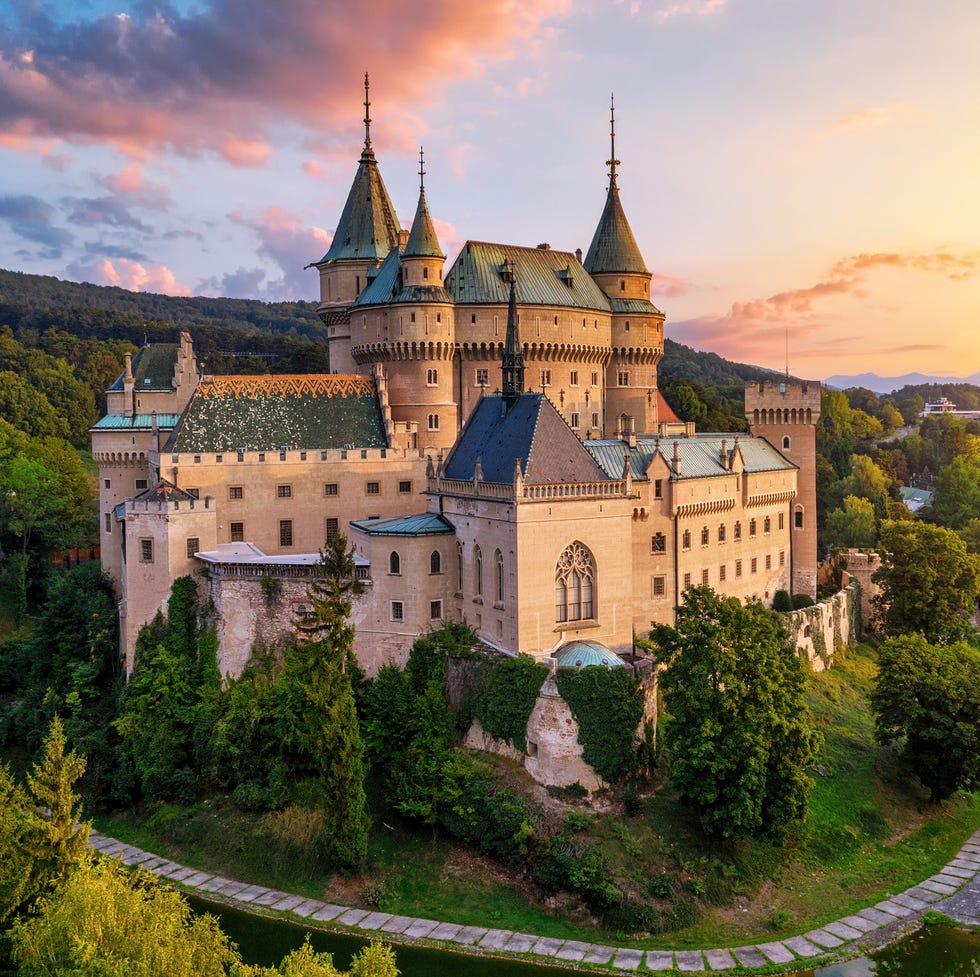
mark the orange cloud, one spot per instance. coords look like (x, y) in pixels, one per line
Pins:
(135, 277)
(871, 118)
(219, 77)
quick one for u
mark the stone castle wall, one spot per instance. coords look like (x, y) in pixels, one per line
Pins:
(820, 631)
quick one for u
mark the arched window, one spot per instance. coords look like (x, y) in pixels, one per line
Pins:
(786, 442)
(575, 584)
(459, 567)
(798, 517)
(498, 561)
(394, 563)
(435, 562)
(478, 571)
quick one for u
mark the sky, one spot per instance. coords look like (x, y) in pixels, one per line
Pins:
(802, 176)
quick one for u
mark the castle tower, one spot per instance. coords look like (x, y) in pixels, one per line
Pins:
(404, 320)
(785, 413)
(367, 231)
(615, 263)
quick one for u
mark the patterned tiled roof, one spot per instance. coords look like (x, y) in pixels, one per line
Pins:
(543, 277)
(153, 368)
(368, 226)
(164, 491)
(531, 431)
(700, 455)
(424, 524)
(267, 412)
(613, 247)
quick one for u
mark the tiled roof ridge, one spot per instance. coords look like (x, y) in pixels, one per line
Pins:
(530, 248)
(287, 385)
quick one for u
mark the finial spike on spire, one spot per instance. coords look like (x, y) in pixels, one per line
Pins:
(612, 162)
(421, 170)
(367, 112)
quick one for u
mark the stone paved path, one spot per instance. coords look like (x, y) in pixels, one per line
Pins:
(954, 890)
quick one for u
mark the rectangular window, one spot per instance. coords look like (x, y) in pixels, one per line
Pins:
(482, 378)
(397, 610)
(241, 455)
(595, 419)
(236, 492)
(284, 491)
(782, 558)
(595, 379)
(141, 485)
(738, 568)
(755, 564)
(193, 545)
(623, 378)
(658, 488)
(197, 459)
(285, 532)
(704, 578)
(146, 551)
(658, 543)
(782, 520)
(282, 455)
(219, 459)
(575, 423)
(108, 522)
(330, 488)
(238, 532)
(373, 488)
(573, 378)
(333, 528)
(302, 456)
(261, 456)
(768, 561)
(435, 610)
(687, 581)
(108, 483)
(546, 378)
(404, 487)
(722, 573)
(686, 540)
(659, 586)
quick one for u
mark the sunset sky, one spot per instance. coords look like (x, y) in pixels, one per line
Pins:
(810, 166)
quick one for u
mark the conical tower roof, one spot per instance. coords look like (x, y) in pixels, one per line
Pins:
(613, 248)
(368, 226)
(422, 242)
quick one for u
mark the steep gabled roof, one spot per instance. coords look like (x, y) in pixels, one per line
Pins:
(544, 277)
(165, 491)
(153, 368)
(529, 431)
(262, 413)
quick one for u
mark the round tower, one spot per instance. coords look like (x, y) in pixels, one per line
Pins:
(637, 341)
(367, 231)
(785, 413)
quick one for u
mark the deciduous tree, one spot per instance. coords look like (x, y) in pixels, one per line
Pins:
(738, 732)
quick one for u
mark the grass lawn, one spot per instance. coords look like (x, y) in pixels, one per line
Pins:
(869, 833)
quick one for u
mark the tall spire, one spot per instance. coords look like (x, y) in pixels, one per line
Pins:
(612, 162)
(367, 114)
(613, 248)
(512, 365)
(422, 241)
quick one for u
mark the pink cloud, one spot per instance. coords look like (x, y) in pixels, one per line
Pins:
(667, 284)
(220, 77)
(314, 168)
(871, 118)
(136, 277)
(687, 8)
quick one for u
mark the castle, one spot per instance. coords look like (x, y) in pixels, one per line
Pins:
(491, 440)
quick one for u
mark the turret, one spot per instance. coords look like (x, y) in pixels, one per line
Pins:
(367, 230)
(615, 263)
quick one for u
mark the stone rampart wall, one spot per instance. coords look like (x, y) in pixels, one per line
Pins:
(820, 631)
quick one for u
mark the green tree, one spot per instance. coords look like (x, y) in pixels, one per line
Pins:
(738, 731)
(957, 498)
(928, 698)
(60, 842)
(853, 525)
(929, 582)
(16, 854)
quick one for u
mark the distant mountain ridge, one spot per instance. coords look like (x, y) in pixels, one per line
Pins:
(887, 385)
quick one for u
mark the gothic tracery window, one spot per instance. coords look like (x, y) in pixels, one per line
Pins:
(575, 584)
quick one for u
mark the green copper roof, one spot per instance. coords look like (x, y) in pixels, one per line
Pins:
(613, 248)
(265, 413)
(581, 654)
(153, 368)
(630, 306)
(542, 276)
(386, 286)
(424, 524)
(368, 226)
(138, 422)
(422, 242)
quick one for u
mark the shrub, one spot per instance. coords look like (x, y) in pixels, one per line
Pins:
(781, 601)
(802, 600)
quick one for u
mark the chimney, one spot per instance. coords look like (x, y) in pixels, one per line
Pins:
(676, 461)
(578, 255)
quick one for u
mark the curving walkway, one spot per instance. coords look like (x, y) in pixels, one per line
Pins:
(954, 890)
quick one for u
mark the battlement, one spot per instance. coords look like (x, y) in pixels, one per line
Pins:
(783, 402)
